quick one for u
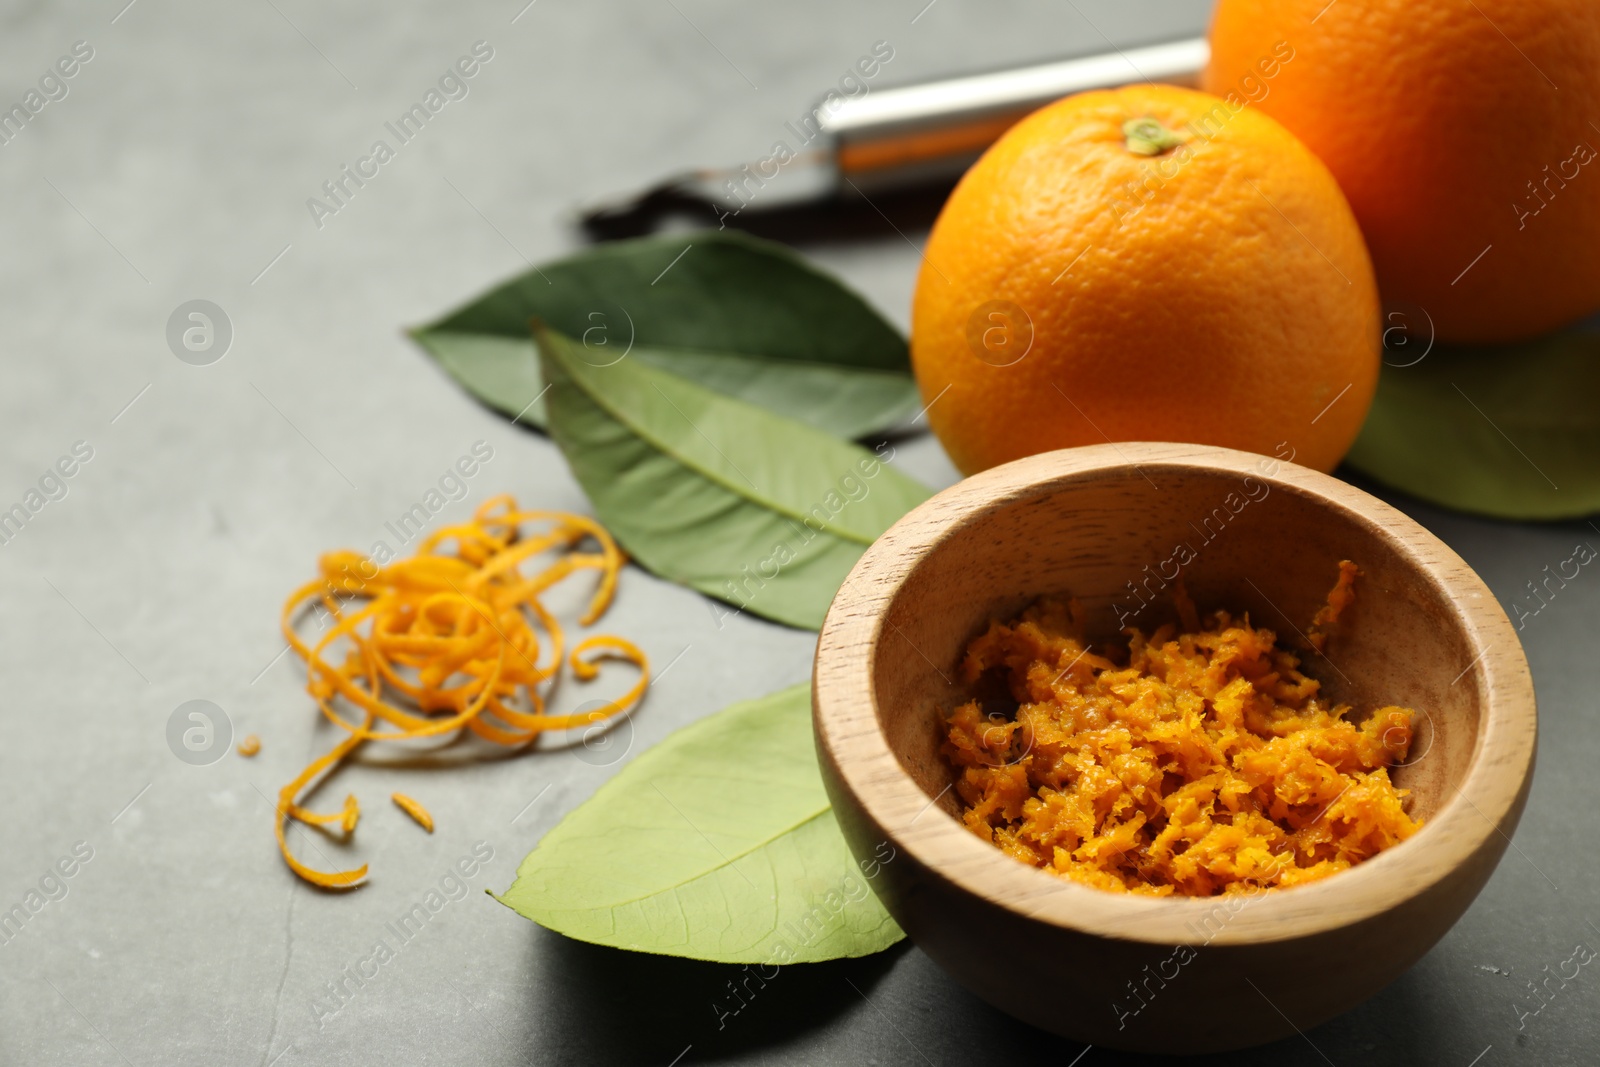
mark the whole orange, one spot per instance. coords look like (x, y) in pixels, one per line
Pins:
(1146, 264)
(1463, 132)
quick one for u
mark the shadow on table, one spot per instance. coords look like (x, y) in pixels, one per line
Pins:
(1397, 1028)
(848, 218)
(598, 1006)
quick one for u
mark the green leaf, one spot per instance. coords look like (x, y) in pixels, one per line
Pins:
(1512, 432)
(726, 497)
(716, 844)
(741, 316)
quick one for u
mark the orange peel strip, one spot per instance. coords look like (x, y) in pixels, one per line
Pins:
(451, 639)
(286, 804)
(421, 814)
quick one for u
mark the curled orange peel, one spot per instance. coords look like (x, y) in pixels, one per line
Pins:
(450, 639)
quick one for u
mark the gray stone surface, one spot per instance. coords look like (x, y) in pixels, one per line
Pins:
(177, 168)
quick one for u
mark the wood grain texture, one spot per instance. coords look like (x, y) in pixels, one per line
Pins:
(1105, 524)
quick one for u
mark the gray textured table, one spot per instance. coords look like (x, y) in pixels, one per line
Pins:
(177, 166)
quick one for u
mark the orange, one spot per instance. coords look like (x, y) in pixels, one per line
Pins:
(1464, 133)
(1093, 279)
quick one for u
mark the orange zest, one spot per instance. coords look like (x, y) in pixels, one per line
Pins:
(421, 814)
(250, 746)
(1196, 763)
(1339, 598)
(452, 639)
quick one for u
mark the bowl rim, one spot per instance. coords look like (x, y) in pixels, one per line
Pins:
(850, 739)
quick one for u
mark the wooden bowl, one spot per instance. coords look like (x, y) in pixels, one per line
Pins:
(1105, 524)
